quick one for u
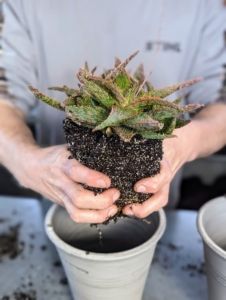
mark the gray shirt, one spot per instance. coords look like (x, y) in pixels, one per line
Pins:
(46, 41)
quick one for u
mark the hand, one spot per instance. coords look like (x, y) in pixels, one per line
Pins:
(49, 172)
(176, 151)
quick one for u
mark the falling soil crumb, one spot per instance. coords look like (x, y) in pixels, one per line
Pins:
(64, 281)
(9, 242)
(21, 295)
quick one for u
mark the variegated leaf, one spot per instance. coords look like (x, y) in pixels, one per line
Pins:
(144, 121)
(46, 99)
(86, 115)
(151, 135)
(124, 133)
(173, 88)
(65, 89)
(116, 117)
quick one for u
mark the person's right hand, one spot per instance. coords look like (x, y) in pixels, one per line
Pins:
(49, 172)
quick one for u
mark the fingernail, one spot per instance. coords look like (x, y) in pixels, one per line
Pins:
(112, 212)
(116, 196)
(129, 212)
(141, 189)
(101, 183)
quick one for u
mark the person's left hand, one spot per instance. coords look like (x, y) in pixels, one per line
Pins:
(176, 151)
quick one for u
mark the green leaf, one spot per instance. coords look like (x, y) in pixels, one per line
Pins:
(123, 82)
(65, 89)
(100, 94)
(147, 101)
(114, 72)
(151, 135)
(124, 133)
(181, 123)
(173, 88)
(70, 101)
(86, 115)
(169, 125)
(160, 113)
(46, 99)
(116, 117)
(191, 107)
(144, 121)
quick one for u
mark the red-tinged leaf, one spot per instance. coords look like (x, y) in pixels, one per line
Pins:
(164, 92)
(124, 133)
(116, 117)
(144, 121)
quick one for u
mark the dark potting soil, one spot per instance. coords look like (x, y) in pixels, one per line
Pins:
(124, 162)
(9, 242)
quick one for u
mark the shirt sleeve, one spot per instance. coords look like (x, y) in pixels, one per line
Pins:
(18, 59)
(211, 55)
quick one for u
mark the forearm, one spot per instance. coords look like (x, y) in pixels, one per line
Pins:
(15, 137)
(206, 133)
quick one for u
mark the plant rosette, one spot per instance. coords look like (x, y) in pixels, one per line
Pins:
(115, 123)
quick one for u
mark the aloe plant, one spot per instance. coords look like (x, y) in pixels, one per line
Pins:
(117, 102)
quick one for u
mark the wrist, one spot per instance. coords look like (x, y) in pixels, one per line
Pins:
(189, 139)
(20, 161)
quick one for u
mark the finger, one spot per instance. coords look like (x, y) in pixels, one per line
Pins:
(82, 198)
(80, 173)
(151, 205)
(85, 199)
(90, 216)
(155, 183)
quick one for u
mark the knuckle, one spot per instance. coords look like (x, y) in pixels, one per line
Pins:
(75, 217)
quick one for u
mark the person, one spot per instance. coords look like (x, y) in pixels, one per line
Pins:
(45, 42)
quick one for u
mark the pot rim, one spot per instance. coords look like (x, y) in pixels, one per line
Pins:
(202, 231)
(59, 243)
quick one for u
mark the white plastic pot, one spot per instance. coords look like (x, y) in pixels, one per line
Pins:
(212, 228)
(114, 268)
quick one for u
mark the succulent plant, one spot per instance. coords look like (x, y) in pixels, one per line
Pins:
(117, 102)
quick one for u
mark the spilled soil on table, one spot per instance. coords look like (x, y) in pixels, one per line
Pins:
(10, 246)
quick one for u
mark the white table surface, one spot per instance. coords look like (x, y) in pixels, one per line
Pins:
(175, 273)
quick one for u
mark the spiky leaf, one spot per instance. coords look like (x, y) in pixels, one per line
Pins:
(169, 125)
(46, 99)
(123, 82)
(65, 89)
(181, 123)
(116, 117)
(124, 133)
(154, 135)
(144, 121)
(86, 115)
(163, 93)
